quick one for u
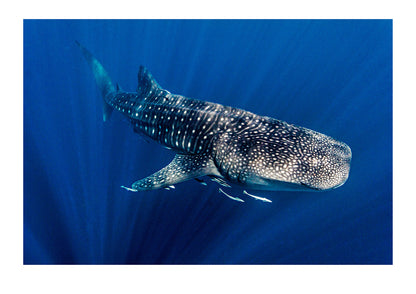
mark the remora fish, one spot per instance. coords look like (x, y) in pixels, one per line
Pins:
(230, 144)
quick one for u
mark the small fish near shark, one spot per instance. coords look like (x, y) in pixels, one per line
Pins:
(232, 146)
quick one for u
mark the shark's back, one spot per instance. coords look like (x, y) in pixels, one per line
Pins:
(186, 125)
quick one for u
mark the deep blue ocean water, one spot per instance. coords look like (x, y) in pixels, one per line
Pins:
(332, 76)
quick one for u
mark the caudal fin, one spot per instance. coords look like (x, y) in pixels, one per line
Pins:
(102, 79)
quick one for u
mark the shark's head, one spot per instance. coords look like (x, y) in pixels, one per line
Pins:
(309, 161)
(286, 157)
(326, 166)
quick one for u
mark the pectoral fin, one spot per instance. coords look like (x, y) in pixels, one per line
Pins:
(180, 169)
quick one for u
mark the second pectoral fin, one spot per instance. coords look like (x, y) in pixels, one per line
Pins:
(180, 169)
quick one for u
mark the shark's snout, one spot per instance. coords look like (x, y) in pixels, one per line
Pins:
(331, 169)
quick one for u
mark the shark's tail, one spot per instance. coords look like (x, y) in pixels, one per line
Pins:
(102, 78)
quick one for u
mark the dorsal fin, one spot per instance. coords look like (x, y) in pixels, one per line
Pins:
(146, 82)
(118, 88)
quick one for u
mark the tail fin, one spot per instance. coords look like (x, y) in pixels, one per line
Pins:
(102, 79)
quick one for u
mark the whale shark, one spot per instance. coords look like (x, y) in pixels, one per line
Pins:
(232, 146)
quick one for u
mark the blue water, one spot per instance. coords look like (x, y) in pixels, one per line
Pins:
(332, 76)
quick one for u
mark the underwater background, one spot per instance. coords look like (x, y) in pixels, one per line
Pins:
(332, 76)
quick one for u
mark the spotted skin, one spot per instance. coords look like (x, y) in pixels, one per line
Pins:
(228, 143)
(186, 125)
(182, 168)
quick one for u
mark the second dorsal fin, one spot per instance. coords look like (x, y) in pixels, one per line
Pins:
(146, 83)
